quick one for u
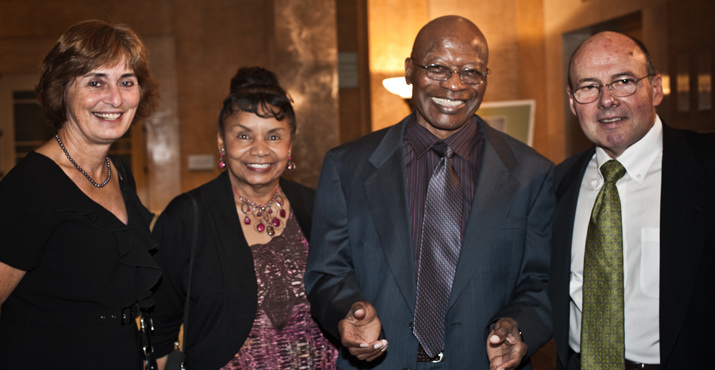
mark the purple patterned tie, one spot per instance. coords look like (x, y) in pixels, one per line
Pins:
(439, 251)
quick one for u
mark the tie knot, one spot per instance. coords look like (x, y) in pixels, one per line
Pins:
(612, 171)
(442, 149)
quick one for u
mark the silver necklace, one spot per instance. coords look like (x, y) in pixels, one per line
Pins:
(109, 166)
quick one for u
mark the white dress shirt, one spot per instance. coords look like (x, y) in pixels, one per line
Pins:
(639, 192)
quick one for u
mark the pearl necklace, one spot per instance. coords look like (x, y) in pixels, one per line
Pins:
(262, 212)
(109, 166)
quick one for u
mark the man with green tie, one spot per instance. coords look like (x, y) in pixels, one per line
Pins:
(633, 244)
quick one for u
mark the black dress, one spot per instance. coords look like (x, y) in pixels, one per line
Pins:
(85, 271)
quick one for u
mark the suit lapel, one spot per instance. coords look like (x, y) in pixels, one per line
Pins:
(387, 198)
(682, 226)
(568, 183)
(495, 189)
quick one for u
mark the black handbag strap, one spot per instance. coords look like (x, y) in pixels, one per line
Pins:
(194, 242)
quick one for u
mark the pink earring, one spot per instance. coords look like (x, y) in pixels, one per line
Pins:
(291, 165)
(221, 162)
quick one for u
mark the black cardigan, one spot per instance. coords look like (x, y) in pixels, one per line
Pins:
(223, 291)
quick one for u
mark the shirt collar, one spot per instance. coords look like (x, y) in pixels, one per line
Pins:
(638, 157)
(422, 139)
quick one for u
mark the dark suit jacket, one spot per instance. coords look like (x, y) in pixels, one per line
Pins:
(223, 287)
(361, 248)
(687, 249)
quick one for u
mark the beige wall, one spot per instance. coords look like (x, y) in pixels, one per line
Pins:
(392, 27)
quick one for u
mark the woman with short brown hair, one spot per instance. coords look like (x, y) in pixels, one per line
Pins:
(75, 262)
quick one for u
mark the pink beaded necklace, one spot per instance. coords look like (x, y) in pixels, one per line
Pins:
(263, 212)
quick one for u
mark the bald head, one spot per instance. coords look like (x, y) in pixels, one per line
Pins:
(443, 102)
(450, 29)
(609, 41)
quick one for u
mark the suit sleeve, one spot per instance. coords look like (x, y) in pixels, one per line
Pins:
(530, 305)
(330, 277)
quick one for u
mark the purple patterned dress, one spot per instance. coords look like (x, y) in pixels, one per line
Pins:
(284, 334)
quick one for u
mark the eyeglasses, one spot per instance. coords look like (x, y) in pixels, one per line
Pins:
(619, 88)
(468, 76)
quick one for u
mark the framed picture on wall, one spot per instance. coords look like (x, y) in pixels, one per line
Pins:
(513, 117)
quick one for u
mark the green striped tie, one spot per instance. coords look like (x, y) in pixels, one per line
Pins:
(602, 343)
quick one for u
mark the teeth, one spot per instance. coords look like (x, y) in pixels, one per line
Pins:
(260, 165)
(108, 116)
(447, 102)
(609, 120)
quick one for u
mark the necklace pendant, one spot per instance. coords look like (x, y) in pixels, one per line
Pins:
(263, 213)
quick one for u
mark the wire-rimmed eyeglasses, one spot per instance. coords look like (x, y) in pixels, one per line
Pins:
(469, 76)
(619, 88)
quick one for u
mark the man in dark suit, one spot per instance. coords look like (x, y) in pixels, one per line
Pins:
(665, 239)
(368, 255)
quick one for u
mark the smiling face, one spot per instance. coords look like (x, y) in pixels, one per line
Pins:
(614, 123)
(101, 104)
(443, 107)
(256, 152)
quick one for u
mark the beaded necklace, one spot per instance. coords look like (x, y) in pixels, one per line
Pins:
(109, 166)
(263, 212)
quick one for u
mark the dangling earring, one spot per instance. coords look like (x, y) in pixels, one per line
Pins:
(291, 165)
(221, 163)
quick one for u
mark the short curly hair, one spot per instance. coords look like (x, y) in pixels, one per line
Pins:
(84, 47)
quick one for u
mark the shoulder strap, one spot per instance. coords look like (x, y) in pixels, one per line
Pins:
(194, 241)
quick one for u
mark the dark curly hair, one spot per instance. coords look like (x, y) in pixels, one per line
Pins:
(256, 90)
(87, 46)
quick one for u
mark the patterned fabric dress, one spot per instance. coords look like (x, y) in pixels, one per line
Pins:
(284, 335)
